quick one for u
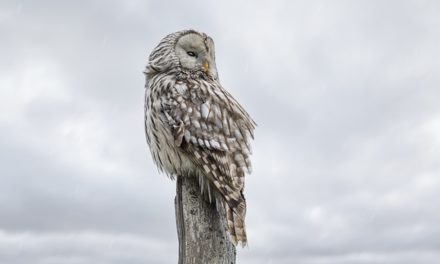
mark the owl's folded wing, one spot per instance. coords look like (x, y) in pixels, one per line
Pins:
(214, 129)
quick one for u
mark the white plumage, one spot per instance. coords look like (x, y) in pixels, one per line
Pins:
(194, 127)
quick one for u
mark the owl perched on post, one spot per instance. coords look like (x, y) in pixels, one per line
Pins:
(194, 127)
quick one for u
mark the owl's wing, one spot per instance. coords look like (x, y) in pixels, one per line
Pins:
(214, 130)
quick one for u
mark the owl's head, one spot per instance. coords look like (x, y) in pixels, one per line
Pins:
(184, 51)
(196, 53)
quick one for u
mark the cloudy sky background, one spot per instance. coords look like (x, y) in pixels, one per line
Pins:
(346, 156)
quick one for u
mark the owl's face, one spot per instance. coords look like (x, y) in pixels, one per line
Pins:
(196, 53)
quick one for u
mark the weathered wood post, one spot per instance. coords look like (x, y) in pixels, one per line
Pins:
(202, 231)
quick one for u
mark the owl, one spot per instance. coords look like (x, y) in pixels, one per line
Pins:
(194, 127)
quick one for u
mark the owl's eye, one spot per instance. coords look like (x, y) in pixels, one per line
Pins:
(192, 54)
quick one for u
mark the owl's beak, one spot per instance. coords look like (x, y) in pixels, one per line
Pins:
(205, 66)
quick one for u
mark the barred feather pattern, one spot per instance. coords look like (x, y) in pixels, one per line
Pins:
(195, 127)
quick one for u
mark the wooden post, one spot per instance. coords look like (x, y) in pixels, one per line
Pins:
(203, 238)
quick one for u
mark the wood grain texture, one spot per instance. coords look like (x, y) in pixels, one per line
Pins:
(202, 232)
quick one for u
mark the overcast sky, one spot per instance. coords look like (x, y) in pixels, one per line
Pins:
(346, 159)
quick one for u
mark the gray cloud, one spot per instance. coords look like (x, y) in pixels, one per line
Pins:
(346, 152)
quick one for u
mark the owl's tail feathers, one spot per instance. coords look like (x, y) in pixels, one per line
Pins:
(236, 227)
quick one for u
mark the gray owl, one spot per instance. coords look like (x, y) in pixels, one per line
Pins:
(194, 127)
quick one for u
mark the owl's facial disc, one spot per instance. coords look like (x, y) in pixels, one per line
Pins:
(195, 54)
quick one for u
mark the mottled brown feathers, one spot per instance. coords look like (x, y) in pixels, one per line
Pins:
(195, 127)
